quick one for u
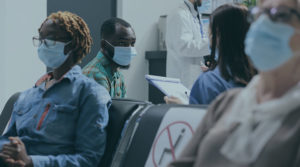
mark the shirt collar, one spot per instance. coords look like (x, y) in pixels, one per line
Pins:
(107, 64)
(103, 60)
(192, 8)
(71, 75)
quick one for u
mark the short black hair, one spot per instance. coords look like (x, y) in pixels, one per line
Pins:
(108, 28)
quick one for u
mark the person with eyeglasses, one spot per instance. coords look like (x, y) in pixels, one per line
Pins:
(117, 50)
(61, 121)
(258, 125)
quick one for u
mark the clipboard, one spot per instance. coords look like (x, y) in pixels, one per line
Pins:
(170, 87)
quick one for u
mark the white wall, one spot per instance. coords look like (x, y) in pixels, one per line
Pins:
(19, 66)
(143, 15)
(2, 57)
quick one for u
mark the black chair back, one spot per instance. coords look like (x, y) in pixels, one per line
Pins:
(119, 112)
(7, 111)
(143, 140)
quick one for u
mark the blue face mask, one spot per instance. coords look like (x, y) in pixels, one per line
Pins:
(267, 43)
(123, 55)
(52, 56)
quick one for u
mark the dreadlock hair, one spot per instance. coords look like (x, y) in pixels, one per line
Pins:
(77, 29)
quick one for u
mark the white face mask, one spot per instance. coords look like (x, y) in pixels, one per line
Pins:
(123, 55)
(268, 43)
(52, 56)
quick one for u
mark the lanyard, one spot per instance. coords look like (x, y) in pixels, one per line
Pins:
(195, 19)
(201, 29)
(201, 26)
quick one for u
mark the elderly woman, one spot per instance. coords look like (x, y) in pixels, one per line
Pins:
(61, 120)
(259, 125)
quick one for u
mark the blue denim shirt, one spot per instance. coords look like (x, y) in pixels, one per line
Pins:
(63, 125)
(210, 85)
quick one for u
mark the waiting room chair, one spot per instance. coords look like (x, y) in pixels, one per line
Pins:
(120, 111)
(7, 111)
(147, 129)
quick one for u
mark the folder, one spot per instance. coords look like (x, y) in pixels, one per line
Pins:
(170, 87)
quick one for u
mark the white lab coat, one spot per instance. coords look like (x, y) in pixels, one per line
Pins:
(185, 44)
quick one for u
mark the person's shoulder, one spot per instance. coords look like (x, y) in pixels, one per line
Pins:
(27, 93)
(24, 97)
(96, 64)
(229, 95)
(92, 67)
(224, 101)
(91, 87)
(206, 88)
(95, 70)
(207, 78)
(180, 12)
(207, 74)
(86, 81)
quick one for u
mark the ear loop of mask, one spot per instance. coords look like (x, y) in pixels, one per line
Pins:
(109, 43)
(110, 50)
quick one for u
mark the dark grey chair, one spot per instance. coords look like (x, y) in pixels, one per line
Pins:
(136, 151)
(7, 111)
(120, 111)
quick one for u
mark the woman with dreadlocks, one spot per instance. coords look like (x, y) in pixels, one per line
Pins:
(61, 120)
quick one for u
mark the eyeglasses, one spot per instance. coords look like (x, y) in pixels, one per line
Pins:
(279, 14)
(37, 41)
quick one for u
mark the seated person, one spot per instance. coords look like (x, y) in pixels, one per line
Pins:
(117, 50)
(229, 66)
(61, 120)
(258, 125)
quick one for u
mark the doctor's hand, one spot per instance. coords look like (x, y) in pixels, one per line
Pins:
(172, 100)
(14, 153)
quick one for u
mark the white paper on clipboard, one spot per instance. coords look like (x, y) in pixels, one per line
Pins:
(170, 87)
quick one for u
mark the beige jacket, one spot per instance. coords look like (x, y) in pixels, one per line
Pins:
(282, 150)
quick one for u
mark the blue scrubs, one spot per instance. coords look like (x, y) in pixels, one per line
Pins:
(209, 85)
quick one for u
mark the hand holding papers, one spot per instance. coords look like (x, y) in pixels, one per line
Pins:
(170, 87)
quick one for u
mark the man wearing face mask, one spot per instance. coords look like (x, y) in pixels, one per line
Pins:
(117, 50)
(186, 43)
(61, 121)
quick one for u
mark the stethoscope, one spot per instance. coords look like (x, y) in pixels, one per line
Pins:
(196, 19)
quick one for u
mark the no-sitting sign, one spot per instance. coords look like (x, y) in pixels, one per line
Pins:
(175, 131)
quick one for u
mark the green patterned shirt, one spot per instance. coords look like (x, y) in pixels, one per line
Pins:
(100, 69)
